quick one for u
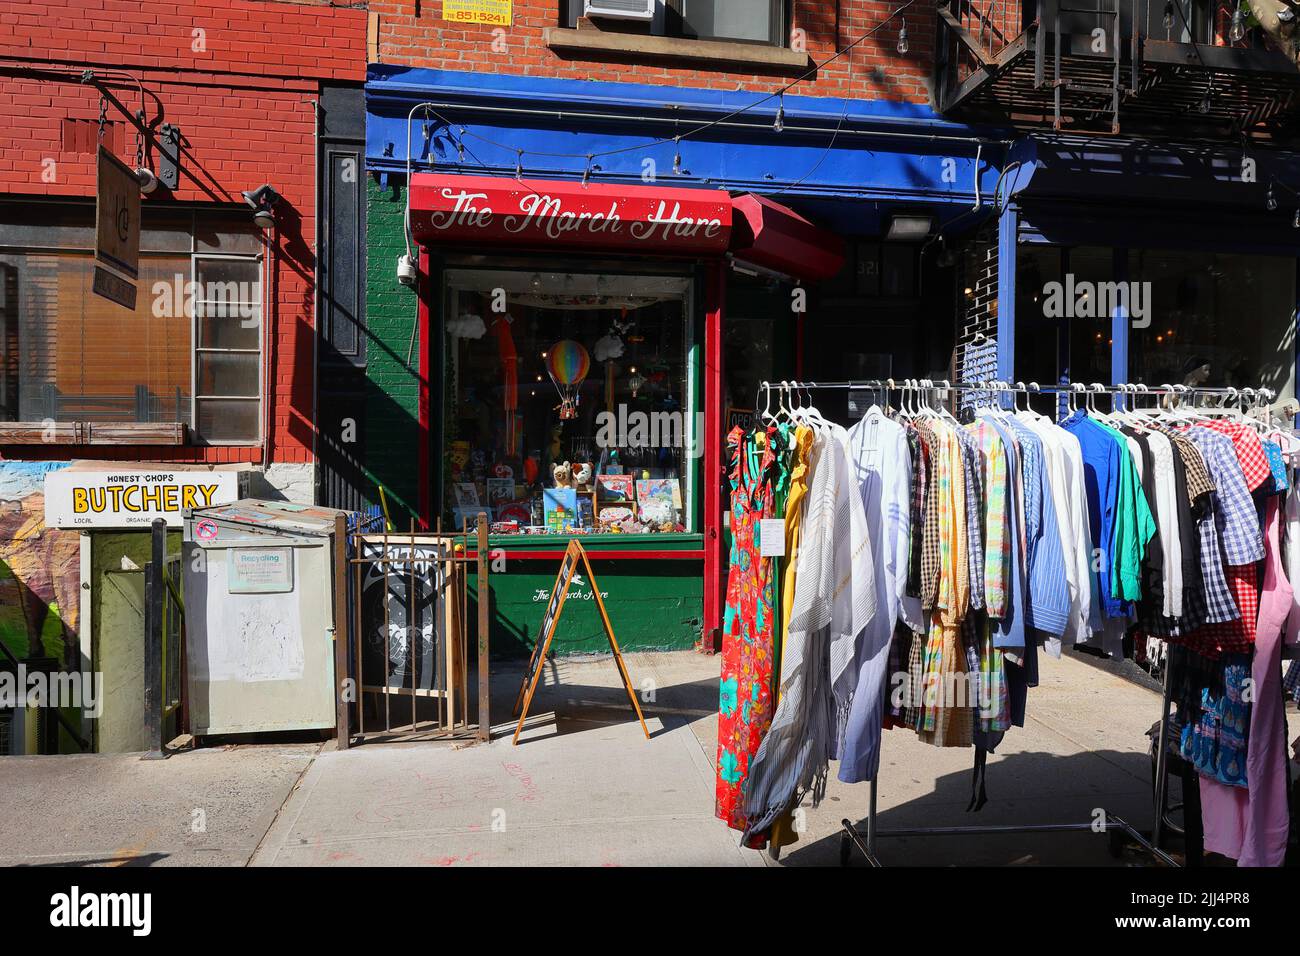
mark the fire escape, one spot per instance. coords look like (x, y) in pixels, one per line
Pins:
(1195, 69)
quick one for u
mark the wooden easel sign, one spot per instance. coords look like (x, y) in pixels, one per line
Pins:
(550, 620)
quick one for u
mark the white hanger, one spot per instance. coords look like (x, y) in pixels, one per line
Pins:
(766, 414)
(943, 408)
(811, 414)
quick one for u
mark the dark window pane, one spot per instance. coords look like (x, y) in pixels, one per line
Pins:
(229, 234)
(729, 19)
(1215, 320)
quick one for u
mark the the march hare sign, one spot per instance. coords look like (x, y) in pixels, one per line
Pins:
(554, 607)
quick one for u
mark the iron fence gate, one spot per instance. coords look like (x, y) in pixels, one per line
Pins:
(409, 635)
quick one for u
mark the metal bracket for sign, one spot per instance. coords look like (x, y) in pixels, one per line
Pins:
(1114, 828)
(551, 618)
(169, 163)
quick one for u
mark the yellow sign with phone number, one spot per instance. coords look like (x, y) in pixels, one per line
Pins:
(495, 12)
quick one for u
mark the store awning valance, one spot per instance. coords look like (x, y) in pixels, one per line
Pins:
(490, 210)
(775, 237)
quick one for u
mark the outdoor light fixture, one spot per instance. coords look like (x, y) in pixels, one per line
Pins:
(1270, 201)
(262, 200)
(148, 181)
(406, 271)
(902, 37)
(908, 228)
(1295, 223)
(1169, 15)
(779, 125)
(1238, 29)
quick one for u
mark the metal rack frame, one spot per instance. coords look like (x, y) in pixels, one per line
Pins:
(1112, 825)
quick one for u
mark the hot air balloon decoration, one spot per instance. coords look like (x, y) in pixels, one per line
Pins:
(567, 362)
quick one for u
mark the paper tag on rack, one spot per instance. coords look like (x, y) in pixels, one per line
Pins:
(771, 537)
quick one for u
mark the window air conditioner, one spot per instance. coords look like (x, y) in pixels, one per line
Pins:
(619, 9)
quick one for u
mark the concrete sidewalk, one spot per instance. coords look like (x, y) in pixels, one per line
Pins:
(584, 787)
(205, 808)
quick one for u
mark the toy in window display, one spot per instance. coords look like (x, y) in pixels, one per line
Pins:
(586, 512)
(567, 362)
(581, 475)
(459, 458)
(478, 464)
(500, 490)
(517, 512)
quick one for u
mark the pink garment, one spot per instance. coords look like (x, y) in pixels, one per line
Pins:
(1266, 772)
(1250, 824)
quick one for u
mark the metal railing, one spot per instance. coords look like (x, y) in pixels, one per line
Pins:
(975, 34)
(409, 634)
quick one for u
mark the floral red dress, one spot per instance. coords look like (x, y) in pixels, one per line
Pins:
(745, 694)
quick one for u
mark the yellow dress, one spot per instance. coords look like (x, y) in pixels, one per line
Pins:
(783, 832)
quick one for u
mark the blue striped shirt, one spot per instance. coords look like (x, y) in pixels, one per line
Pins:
(1049, 589)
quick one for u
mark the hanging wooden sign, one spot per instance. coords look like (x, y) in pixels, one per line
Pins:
(117, 230)
(551, 618)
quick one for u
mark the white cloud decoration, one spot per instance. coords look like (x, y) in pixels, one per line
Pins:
(608, 347)
(467, 326)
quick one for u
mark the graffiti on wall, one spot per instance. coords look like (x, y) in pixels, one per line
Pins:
(39, 569)
(406, 642)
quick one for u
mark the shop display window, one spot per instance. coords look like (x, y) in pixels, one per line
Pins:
(1196, 318)
(1214, 319)
(569, 402)
(189, 352)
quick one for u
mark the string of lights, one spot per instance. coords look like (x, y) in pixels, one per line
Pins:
(406, 266)
(677, 138)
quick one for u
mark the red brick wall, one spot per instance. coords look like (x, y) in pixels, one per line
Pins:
(242, 91)
(427, 40)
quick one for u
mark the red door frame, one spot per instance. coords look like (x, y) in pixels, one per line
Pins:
(715, 293)
(424, 499)
(715, 303)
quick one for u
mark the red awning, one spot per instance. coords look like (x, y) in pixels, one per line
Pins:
(774, 237)
(494, 210)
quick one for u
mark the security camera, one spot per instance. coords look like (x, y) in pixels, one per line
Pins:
(148, 181)
(262, 200)
(406, 271)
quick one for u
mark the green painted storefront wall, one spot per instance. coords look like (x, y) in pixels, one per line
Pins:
(653, 605)
(392, 422)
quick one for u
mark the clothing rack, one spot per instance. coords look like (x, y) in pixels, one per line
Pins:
(1112, 825)
(1254, 396)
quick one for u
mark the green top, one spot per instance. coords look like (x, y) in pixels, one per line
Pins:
(1134, 526)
